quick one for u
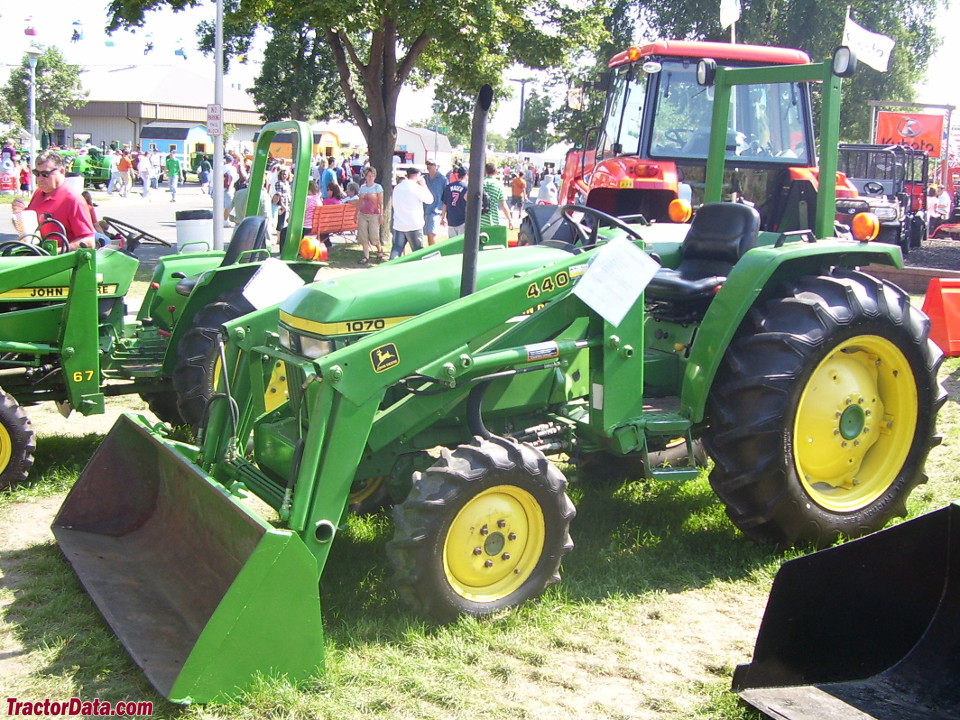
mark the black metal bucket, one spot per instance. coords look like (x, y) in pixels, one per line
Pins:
(868, 629)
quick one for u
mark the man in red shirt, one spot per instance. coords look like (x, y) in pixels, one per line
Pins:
(54, 198)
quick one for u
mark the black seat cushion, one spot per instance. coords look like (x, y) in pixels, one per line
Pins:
(719, 236)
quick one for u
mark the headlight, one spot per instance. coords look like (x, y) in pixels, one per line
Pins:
(305, 345)
(314, 348)
(885, 213)
(284, 337)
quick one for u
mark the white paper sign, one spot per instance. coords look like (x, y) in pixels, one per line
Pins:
(273, 283)
(615, 278)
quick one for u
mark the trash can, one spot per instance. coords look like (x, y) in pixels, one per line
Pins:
(75, 182)
(194, 230)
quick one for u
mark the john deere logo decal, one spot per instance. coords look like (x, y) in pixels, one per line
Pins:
(384, 357)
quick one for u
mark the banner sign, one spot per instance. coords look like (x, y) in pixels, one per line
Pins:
(915, 130)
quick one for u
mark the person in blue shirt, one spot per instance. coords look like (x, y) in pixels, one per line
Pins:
(436, 183)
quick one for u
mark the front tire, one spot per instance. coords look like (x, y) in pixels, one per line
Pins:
(482, 530)
(823, 411)
(18, 442)
(164, 406)
(197, 371)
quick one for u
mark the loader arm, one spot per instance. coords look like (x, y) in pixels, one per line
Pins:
(76, 322)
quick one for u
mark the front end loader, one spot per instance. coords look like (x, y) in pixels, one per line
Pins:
(812, 385)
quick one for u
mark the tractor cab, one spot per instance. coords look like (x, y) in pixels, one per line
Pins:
(651, 147)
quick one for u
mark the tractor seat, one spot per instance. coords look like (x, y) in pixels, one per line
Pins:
(719, 236)
(250, 234)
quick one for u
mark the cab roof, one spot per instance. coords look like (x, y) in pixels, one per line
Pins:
(717, 51)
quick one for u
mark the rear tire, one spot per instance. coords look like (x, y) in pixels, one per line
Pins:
(823, 411)
(18, 442)
(482, 530)
(197, 370)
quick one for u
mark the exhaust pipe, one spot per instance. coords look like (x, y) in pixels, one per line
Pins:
(478, 153)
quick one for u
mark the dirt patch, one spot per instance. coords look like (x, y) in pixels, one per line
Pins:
(650, 667)
(21, 526)
(940, 253)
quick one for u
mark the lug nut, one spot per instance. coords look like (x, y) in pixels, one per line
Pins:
(501, 523)
(477, 551)
(484, 530)
(488, 563)
(512, 536)
(505, 556)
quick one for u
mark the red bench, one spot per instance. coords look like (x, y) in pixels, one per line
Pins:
(333, 219)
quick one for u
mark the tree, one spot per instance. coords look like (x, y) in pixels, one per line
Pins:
(815, 27)
(533, 131)
(295, 80)
(586, 82)
(58, 87)
(380, 45)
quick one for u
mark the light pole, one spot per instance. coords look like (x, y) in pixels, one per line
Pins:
(32, 56)
(523, 91)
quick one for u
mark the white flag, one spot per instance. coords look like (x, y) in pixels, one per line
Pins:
(729, 12)
(871, 48)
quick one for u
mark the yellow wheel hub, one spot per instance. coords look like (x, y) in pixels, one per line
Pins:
(6, 448)
(494, 543)
(855, 423)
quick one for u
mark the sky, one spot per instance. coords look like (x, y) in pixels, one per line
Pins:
(170, 32)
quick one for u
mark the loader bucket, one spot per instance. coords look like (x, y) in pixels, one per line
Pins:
(202, 593)
(868, 629)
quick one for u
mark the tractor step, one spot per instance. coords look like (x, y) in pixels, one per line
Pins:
(136, 369)
(675, 473)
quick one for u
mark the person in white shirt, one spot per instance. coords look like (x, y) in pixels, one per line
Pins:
(145, 171)
(409, 197)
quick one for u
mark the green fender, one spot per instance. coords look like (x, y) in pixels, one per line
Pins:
(758, 271)
(209, 288)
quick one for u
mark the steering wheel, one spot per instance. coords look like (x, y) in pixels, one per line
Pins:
(12, 248)
(132, 236)
(588, 236)
(873, 188)
(675, 135)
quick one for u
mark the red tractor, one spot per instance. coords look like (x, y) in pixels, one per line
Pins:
(652, 144)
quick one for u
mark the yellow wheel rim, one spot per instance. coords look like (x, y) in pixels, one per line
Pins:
(6, 448)
(494, 544)
(217, 371)
(855, 424)
(363, 489)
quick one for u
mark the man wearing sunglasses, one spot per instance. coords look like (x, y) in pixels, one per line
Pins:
(55, 198)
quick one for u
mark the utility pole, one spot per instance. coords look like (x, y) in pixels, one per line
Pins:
(32, 56)
(523, 90)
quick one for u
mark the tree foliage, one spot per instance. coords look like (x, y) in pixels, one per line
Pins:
(58, 88)
(532, 134)
(297, 80)
(815, 26)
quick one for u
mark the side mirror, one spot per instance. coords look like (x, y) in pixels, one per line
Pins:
(844, 62)
(706, 72)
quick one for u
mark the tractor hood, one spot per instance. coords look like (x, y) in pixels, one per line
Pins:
(366, 301)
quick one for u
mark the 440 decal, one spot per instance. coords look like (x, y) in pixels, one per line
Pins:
(548, 284)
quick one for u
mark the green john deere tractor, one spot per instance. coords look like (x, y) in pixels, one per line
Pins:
(91, 164)
(65, 335)
(812, 385)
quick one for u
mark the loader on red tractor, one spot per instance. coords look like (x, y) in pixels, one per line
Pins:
(812, 384)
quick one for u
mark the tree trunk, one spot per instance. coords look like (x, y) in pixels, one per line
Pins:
(380, 145)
